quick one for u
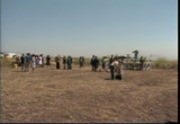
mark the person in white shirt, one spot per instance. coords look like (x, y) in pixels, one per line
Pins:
(113, 67)
(33, 63)
(120, 70)
(40, 61)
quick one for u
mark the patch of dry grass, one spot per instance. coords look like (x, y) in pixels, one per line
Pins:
(163, 63)
(79, 95)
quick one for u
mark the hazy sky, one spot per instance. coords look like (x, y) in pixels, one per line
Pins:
(87, 27)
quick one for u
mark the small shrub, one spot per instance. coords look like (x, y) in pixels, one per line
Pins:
(163, 63)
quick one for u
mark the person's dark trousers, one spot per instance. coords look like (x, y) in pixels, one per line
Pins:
(103, 65)
(57, 65)
(93, 67)
(64, 66)
(69, 66)
(80, 65)
(96, 67)
(112, 72)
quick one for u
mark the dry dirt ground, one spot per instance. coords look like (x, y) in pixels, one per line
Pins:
(80, 95)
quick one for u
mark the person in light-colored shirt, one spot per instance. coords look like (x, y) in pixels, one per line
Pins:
(113, 65)
(33, 63)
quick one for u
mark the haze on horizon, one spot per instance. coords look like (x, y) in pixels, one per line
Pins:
(90, 27)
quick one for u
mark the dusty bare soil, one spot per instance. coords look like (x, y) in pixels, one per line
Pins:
(80, 95)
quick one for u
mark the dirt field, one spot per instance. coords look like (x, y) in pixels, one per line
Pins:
(80, 95)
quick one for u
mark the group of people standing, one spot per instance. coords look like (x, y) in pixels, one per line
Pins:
(67, 62)
(33, 61)
(95, 63)
(115, 64)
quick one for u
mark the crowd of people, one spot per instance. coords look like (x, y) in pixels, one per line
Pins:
(67, 62)
(33, 61)
(95, 63)
(115, 65)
